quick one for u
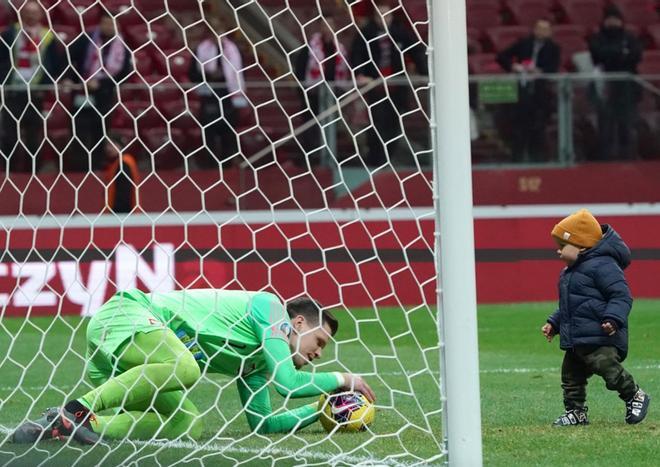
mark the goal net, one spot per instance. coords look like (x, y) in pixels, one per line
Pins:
(176, 145)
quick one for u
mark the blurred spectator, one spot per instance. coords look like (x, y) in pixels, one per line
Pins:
(121, 177)
(219, 67)
(320, 62)
(100, 61)
(362, 10)
(378, 51)
(30, 57)
(530, 57)
(613, 49)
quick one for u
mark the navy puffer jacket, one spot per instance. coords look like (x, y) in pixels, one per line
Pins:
(593, 290)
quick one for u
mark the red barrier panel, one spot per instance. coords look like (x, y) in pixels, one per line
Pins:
(74, 270)
(291, 188)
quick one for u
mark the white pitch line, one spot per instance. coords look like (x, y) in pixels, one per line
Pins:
(389, 373)
(219, 448)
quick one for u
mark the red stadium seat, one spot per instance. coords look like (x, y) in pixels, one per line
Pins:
(140, 34)
(117, 6)
(7, 15)
(155, 138)
(480, 64)
(168, 146)
(124, 116)
(179, 64)
(588, 13)
(562, 32)
(504, 36)
(571, 39)
(58, 125)
(638, 12)
(483, 14)
(143, 62)
(71, 13)
(474, 44)
(165, 90)
(187, 118)
(82, 4)
(654, 34)
(416, 12)
(150, 8)
(173, 110)
(650, 63)
(128, 17)
(528, 12)
(181, 5)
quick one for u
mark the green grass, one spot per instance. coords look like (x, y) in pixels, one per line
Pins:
(41, 364)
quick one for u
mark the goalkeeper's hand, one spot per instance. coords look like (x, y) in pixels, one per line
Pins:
(191, 344)
(354, 382)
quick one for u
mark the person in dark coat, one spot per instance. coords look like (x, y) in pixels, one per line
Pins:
(378, 52)
(100, 59)
(592, 318)
(530, 57)
(613, 49)
(31, 56)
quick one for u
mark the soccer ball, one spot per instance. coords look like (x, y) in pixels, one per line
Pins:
(346, 412)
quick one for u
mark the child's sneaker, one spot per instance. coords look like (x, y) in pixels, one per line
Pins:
(572, 417)
(637, 407)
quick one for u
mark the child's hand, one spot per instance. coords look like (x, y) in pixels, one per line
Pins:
(548, 331)
(609, 328)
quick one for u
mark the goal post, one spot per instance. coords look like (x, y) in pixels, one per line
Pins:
(455, 256)
(241, 167)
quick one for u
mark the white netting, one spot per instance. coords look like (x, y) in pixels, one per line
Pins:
(265, 146)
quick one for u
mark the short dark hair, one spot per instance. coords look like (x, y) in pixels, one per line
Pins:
(312, 312)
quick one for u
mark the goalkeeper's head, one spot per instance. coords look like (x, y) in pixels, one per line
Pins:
(312, 328)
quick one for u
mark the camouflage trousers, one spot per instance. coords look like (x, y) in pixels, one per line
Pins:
(582, 362)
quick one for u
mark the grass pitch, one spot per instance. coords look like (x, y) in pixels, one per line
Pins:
(42, 364)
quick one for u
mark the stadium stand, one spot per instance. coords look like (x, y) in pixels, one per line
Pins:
(586, 13)
(161, 58)
(527, 12)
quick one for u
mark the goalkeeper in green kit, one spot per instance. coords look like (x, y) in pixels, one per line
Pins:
(146, 350)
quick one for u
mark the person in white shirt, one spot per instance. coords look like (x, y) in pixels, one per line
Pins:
(30, 57)
(218, 68)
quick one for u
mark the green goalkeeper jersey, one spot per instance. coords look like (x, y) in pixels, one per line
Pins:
(247, 334)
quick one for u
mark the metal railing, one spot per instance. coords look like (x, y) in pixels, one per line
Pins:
(577, 111)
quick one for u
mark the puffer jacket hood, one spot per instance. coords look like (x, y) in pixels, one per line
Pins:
(610, 245)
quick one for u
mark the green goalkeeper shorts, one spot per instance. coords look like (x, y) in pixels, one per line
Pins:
(113, 325)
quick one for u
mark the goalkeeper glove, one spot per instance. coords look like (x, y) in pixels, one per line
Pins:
(191, 344)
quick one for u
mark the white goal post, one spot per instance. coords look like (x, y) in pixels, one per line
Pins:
(455, 231)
